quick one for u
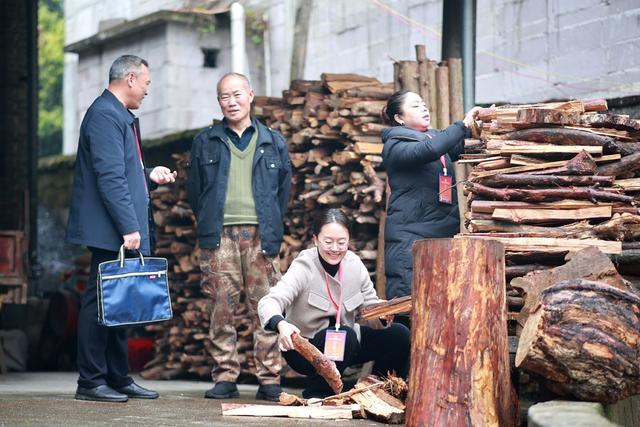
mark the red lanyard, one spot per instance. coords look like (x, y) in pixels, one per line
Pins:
(338, 305)
(135, 133)
(444, 165)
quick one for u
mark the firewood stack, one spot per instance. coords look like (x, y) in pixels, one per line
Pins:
(333, 130)
(552, 178)
(332, 127)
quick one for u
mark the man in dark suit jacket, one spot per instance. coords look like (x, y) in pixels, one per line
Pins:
(110, 207)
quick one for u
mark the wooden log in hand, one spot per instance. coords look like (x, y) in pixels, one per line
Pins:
(584, 338)
(325, 367)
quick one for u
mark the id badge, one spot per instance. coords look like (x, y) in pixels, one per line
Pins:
(445, 193)
(334, 345)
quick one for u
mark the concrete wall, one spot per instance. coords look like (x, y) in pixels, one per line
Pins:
(182, 93)
(527, 50)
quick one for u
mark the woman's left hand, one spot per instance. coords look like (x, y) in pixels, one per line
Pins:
(388, 319)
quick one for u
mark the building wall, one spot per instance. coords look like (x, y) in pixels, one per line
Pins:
(527, 50)
(182, 93)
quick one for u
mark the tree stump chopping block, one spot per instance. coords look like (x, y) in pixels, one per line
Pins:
(459, 372)
(584, 339)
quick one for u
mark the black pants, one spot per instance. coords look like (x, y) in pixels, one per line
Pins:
(389, 348)
(102, 351)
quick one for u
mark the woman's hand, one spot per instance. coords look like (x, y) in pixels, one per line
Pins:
(470, 117)
(286, 329)
(388, 319)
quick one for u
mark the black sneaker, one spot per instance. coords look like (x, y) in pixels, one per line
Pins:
(270, 392)
(223, 390)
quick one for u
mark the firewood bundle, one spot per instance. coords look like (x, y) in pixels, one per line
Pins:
(552, 178)
(332, 127)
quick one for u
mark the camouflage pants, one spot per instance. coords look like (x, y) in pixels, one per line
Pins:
(239, 265)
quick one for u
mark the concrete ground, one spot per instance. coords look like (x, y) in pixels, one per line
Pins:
(46, 399)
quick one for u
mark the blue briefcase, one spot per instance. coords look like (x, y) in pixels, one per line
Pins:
(133, 291)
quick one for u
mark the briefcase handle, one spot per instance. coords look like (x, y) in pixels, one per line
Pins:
(121, 256)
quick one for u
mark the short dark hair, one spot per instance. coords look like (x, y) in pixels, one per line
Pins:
(393, 107)
(124, 65)
(242, 76)
(330, 216)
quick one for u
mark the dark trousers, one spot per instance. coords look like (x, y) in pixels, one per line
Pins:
(389, 348)
(102, 351)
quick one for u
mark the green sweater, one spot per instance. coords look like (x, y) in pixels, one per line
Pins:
(239, 206)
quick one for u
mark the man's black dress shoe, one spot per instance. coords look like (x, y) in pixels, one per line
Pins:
(102, 393)
(135, 391)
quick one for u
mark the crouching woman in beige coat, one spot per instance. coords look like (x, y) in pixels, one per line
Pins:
(319, 297)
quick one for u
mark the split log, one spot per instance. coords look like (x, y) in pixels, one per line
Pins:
(459, 354)
(584, 339)
(589, 264)
(395, 306)
(314, 412)
(550, 244)
(549, 216)
(378, 404)
(547, 194)
(488, 206)
(325, 367)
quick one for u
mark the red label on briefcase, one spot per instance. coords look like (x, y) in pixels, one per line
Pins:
(445, 192)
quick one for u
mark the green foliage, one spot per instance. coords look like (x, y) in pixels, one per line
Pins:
(50, 70)
(254, 26)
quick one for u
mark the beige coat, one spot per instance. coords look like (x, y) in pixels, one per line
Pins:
(302, 294)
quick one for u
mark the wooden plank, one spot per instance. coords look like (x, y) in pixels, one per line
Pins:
(315, 412)
(549, 149)
(368, 148)
(525, 244)
(537, 216)
(632, 184)
(487, 206)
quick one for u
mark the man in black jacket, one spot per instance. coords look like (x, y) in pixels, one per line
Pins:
(110, 207)
(238, 186)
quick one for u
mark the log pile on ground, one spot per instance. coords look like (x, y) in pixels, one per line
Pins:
(332, 127)
(558, 184)
(552, 178)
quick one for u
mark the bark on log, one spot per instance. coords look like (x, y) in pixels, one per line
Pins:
(433, 95)
(406, 76)
(589, 264)
(442, 90)
(546, 180)
(584, 338)
(456, 106)
(423, 74)
(547, 194)
(564, 136)
(326, 368)
(459, 355)
(626, 165)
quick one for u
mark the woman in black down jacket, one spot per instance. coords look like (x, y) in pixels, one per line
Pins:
(419, 165)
